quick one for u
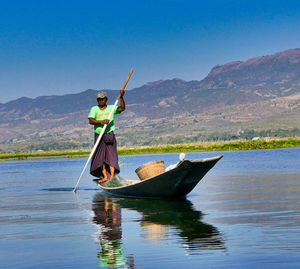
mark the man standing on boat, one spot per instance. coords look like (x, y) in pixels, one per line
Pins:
(104, 163)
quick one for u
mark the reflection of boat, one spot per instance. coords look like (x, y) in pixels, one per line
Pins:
(175, 183)
(158, 216)
(180, 215)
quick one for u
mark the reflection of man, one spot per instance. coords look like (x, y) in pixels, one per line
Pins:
(108, 217)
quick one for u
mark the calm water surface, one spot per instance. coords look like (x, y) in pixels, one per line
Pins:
(245, 213)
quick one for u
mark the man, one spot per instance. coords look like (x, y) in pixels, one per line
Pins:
(104, 163)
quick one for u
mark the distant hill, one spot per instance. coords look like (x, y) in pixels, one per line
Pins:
(258, 94)
(279, 67)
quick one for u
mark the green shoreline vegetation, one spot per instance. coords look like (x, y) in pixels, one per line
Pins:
(270, 143)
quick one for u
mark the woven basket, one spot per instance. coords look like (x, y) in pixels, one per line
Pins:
(150, 169)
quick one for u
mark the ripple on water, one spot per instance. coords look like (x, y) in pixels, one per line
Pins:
(244, 213)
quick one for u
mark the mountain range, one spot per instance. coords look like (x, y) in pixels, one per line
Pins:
(260, 94)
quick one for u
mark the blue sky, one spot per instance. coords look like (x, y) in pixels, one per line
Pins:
(59, 47)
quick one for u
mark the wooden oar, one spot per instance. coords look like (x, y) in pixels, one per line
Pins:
(102, 132)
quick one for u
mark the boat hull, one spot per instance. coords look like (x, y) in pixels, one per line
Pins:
(175, 183)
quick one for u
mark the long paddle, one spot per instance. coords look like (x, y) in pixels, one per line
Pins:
(102, 132)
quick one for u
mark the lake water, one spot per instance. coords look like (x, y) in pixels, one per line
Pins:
(245, 213)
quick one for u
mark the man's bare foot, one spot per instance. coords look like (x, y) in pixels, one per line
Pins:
(103, 180)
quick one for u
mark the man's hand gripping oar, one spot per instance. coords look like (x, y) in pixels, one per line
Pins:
(103, 129)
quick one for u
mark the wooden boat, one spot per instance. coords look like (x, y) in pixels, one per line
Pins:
(175, 183)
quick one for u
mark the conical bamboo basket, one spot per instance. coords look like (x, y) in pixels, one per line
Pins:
(150, 169)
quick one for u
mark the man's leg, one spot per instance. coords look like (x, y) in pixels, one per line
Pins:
(112, 172)
(104, 172)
